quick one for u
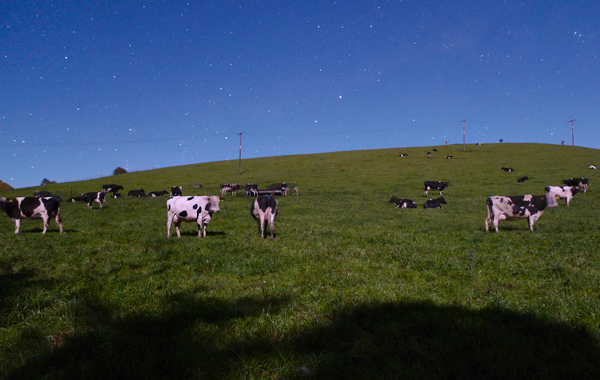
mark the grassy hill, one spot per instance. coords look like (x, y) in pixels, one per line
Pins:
(351, 287)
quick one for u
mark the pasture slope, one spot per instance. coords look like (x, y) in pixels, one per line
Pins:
(351, 287)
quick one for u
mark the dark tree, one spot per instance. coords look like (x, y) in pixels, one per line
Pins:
(119, 170)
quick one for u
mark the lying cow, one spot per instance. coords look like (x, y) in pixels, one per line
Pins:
(435, 203)
(92, 197)
(566, 192)
(435, 185)
(155, 194)
(523, 179)
(264, 210)
(138, 193)
(197, 209)
(45, 208)
(176, 190)
(577, 182)
(501, 208)
(76, 199)
(508, 169)
(402, 202)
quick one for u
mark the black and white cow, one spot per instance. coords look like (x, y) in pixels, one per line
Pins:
(577, 182)
(45, 208)
(523, 179)
(229, 187)
(449, 157)
(111, 188)
(529, 207)
(403, 155)
(139, 193)
(197, 209)
(92, 197)
(435, 203)
(508, 169)
(264, 210)
(251, 190)
(435, 185)
(593, 167)
(155, 194)
(565, 192)
(402, 202)
(176, 191)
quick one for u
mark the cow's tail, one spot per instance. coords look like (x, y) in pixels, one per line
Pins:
(550, 198)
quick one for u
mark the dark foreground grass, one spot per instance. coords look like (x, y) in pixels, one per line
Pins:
(351, 288)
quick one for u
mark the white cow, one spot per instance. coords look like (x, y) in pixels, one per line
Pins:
(264, 209)
(529, 207)
(565, 192)
(45, 208)
(197, 209)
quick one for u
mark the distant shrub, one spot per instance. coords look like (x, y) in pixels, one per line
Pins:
(119, 170)
(46, 181)
(5, 186)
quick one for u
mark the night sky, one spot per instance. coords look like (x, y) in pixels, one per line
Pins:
(86, 87)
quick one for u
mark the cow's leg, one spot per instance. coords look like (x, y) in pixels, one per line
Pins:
(261, 226)
(169, 221)
(100, 205)
(59, 222)
(177, 224)
(496, 222)
(46, 223)
(17, 225)
(531, 220)
(272, 225)
(488, 220)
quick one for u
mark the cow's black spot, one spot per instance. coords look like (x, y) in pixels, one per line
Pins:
(195, 207)
(190, 198)
(183, 214)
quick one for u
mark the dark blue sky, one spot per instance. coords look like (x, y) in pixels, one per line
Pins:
(90, 86)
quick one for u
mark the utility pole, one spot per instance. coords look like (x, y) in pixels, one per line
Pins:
(464, 146)
(572, 131)
(240, 160)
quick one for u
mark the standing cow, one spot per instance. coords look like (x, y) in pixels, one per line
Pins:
(264, 210)
(45, 208)
(565, 192)
(92, 197)
(197, 209)
(435, 185)
(529, 207)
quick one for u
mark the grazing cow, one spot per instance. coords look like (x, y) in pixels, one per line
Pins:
(112, 188)
(449, 157)
(231, 187)
(251, 190)
(197, 209)
(139, 193)
(508, 169)
(402, 202)
(517, 207)
(577, 182)
(566, 192)
(435, 203)
(197, 185)
(155, 194)
(523, 179)
(92, 197)
(435, 185)
(176, 191)
(264, 210)
(403, 154)
(45, 208)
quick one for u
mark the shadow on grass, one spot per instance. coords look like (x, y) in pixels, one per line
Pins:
(201, 338)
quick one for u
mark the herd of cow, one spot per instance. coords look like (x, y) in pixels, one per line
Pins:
(46, 206)
(500, 208)
(264, 208)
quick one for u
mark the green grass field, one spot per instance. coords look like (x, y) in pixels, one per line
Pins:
(351, 287)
